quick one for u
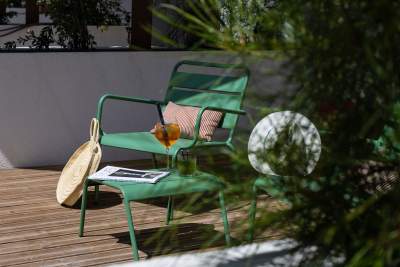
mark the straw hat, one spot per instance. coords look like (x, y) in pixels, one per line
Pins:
(83, 162)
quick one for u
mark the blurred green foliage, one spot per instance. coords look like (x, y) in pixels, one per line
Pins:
(343, 58)
(287, 154)
(70, 21)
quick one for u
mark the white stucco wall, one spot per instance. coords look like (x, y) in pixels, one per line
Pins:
(48, 99)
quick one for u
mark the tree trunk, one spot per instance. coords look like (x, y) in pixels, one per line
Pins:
(3, 6)
(32, 12)
(141, 17)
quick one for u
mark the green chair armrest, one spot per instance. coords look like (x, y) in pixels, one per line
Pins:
(100, 104)
(203, 109)
(214, 65)
(225, 110)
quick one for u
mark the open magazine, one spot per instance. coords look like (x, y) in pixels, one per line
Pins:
(111, 173)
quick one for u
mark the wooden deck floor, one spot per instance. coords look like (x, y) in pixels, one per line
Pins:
(36, 231)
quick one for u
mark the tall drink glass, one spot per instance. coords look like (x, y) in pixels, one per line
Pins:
(167, 135)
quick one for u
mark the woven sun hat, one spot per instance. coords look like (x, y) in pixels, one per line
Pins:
(284, 143)
(82, 163)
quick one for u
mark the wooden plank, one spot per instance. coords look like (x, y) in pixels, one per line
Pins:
(8, 175)
(187, 235)
(72, 222)
(96, 259)
(153, 220)
(36, 231)
(93, 243)
(38, 245)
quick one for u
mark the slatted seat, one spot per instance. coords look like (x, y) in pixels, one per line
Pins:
(147, 142)
(191, 84)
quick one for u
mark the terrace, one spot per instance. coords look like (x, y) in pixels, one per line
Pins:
(36, 231)
(288, 144)
(59, 100)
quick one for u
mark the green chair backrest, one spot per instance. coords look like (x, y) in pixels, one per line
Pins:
(193, 84)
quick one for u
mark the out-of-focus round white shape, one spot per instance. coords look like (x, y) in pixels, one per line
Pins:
(266, 134)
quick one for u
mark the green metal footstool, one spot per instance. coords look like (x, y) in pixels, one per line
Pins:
(173, 184)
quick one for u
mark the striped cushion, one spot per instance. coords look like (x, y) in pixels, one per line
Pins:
(186, 117)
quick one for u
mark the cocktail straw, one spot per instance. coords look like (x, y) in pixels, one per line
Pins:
(160, 114)
(165, 133)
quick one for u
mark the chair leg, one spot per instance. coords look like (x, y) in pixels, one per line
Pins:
(135, 252)
(96, 193)
(155, 163)
(83, 207)
(174, 159)
(224, 219)
(252, 214)
(170, 210)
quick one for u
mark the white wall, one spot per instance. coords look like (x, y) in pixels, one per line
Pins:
(48, 99)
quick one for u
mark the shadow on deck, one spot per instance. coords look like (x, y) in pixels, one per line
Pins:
(36, 231)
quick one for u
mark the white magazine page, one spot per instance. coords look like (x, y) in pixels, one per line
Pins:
(124, 174)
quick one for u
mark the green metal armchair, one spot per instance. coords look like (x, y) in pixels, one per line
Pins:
(224, 93)
(208, 92)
